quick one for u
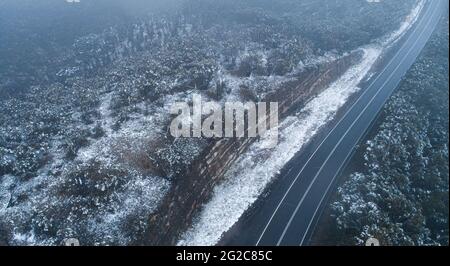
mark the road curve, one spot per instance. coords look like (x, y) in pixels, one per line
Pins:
(288, 216)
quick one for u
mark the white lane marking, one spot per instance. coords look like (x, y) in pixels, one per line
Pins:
(332, 130)
(328, 188)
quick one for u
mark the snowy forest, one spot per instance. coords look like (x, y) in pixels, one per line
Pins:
(85, 87)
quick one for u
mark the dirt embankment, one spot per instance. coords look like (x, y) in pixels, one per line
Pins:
(195, 187)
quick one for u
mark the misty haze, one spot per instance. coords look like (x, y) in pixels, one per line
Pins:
(359, 89)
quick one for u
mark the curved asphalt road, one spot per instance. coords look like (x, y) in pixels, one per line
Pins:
(288, 216)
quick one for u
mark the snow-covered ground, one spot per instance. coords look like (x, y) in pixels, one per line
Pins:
(256, 169)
